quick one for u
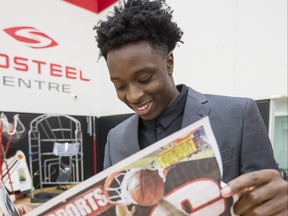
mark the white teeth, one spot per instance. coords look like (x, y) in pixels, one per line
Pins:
(143, 107)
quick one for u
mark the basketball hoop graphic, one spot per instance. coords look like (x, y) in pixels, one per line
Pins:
(138, 186)
(143, 187)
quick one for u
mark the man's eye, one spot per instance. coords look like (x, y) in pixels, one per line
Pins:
(146, 80)
(120, 87)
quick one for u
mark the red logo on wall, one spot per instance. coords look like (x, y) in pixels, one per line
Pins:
(31, 36)
(95, 6)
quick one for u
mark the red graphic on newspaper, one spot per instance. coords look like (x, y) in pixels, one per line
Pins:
(179, 175)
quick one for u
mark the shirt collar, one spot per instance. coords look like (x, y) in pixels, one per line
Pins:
(172, 112)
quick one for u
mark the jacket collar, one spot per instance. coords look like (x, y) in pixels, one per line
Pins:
(195, 109)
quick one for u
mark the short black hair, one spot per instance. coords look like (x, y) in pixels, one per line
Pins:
(136, 20)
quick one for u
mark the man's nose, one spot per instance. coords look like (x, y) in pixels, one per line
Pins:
(134, 94)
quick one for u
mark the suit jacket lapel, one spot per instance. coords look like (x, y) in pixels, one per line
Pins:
(195, 108)
(131, 135)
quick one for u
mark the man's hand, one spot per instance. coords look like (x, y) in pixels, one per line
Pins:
(261, 192)
(23, 209)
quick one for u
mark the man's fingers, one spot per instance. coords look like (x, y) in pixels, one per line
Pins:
(23, 209)
(251, 198)
(266, 208)
(260, 193)
(248, 181)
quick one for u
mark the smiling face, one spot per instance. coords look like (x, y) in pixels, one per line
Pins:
(142, 78)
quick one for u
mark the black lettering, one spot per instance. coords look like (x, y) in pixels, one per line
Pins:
(34, 84)
(66, 88)
(53, 86)
(8, 81)
(39, 83)
(21, 83)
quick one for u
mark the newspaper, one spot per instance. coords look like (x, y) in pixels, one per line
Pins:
(178, 175)
(7, 206)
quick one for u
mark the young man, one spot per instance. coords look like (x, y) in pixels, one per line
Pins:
(137, 42)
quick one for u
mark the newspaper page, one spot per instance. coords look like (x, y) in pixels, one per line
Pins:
(178, 175)
(7, 206)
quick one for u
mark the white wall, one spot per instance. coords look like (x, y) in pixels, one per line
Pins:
(72, 28)
(235, 47)
(231, 47)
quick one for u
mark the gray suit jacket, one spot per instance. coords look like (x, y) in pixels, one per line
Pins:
(236, 122)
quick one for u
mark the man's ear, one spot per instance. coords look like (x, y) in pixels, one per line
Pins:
(170, 63)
